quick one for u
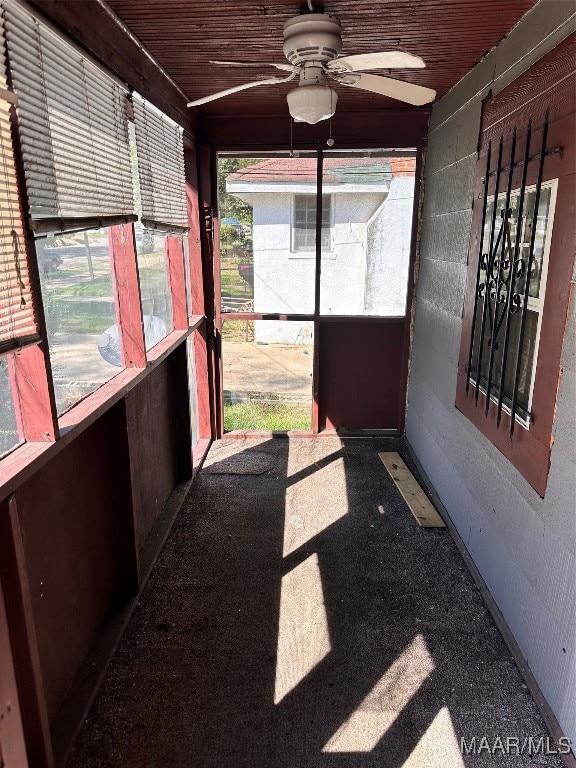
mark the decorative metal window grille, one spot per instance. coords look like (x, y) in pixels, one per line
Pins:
(510, 283)
(304, 231)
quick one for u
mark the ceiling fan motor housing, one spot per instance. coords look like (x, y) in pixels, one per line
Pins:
(312, 37)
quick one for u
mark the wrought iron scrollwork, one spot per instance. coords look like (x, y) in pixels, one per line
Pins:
(503, 279)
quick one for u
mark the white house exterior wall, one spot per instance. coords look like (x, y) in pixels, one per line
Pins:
(370, 241)
(389, 252)
(523, 545)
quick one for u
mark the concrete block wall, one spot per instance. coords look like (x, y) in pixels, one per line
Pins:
(524, 546)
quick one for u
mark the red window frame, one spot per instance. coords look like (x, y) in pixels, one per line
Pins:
(548, 85)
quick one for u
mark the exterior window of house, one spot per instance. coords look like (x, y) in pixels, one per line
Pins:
(490, 329)
(304, 222)
(520, 266)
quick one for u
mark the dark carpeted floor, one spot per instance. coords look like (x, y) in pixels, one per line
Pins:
(298, 617)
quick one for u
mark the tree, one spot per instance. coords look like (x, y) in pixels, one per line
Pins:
(229, 205)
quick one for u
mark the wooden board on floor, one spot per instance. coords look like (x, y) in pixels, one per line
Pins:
(420, 505)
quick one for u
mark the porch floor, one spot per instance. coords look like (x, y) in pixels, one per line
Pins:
(298, 616)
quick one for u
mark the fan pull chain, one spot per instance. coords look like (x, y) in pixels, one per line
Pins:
(330, 140)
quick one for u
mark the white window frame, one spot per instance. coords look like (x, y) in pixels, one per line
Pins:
(309, 252)
(535, 304)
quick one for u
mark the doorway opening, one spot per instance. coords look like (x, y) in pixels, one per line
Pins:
(305, 242)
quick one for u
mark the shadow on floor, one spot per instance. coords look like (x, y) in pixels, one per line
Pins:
(299, 617)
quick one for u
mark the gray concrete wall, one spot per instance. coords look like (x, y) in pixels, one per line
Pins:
(523, 545)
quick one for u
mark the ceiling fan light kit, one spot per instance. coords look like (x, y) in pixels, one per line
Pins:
(312, 44)
(312, 103)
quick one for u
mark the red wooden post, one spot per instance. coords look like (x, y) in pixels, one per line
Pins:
(201, 351)
(194, 235)
(411, 287)
(127, 289)
(30, 371)
(177, 279)
(23, 641)
(206, 227)
(12, 745)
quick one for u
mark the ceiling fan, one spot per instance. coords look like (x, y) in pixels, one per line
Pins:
(312, 44)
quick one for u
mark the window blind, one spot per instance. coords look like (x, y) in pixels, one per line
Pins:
(160, 151)
(73, 129)
(17, 322)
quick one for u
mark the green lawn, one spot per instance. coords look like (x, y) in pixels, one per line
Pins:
(97, 288)
(255, 415)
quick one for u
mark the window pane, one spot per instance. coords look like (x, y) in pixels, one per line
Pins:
(267, 374)
(154, 285)
(79, 304)
(8, 429)
(365, 264)
(265, 208)
(304, 230)
(540, 241)
(526, 362)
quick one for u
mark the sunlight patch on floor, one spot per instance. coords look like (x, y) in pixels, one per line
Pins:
(314, 502)
(303, 639)
(370, 721)
(438, 747)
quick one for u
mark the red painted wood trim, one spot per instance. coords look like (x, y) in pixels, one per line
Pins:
(127, 294)
(218, 368)
(12, 745)
(376, 128)
(194, 234)
(310, 318)
(410, 290)
(30, 372)
(348, 434)
(529, 450)
(30, 367)
(177, 279)
(23, 638)
(317, 426)
(316, 390)
(26, 460)
(203, 397)
(205, 195)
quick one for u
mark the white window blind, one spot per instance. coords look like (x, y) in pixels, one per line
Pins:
(160, 150)
(17, 322)
(73, 129)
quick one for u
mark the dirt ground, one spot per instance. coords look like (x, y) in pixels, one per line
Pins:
(278, 368)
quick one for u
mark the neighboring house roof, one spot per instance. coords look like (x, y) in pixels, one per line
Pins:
(336, 170)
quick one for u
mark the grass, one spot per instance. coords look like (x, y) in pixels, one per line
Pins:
(231, 284)
(256, 416)
(85, 324)
(97, 288)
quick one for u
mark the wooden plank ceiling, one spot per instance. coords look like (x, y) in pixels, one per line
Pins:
(183, 35)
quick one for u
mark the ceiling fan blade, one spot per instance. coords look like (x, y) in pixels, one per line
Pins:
(283, 67)
(382, 60)
(387, 86)
(236, 88)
